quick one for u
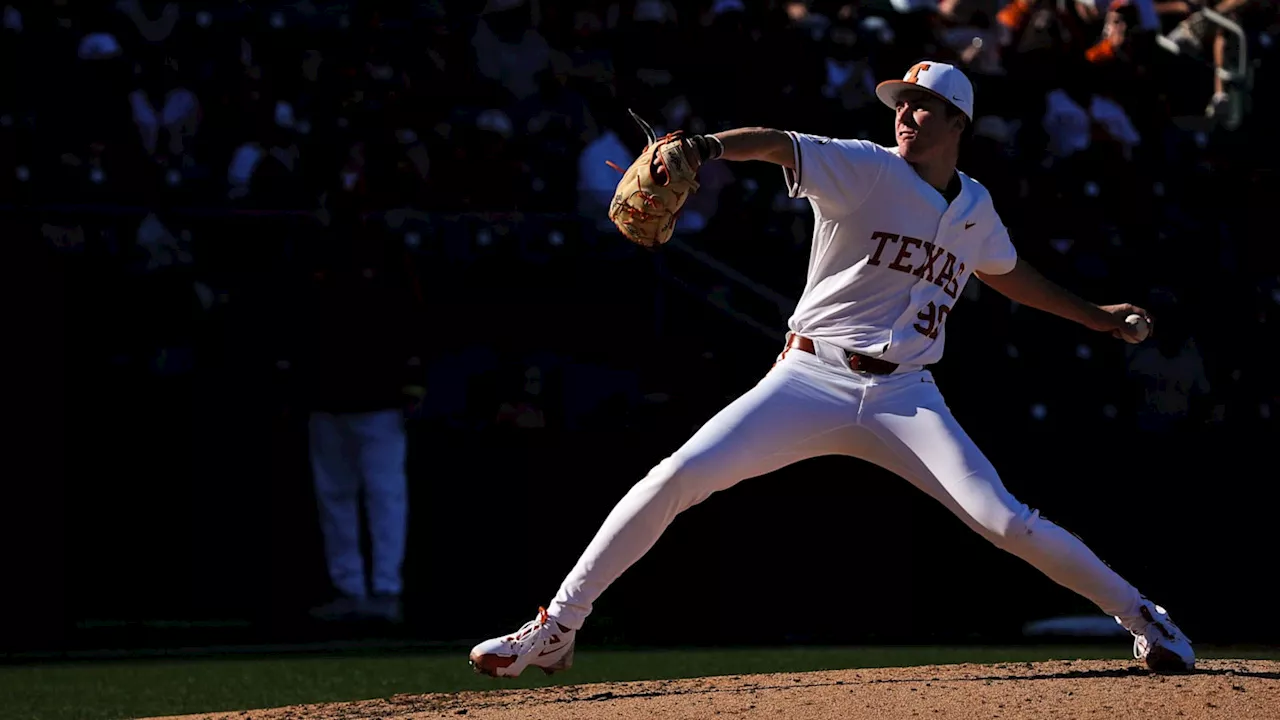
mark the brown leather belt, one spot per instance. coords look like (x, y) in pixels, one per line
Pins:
(859, 363)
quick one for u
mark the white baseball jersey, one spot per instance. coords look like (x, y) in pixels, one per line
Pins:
(890, 255)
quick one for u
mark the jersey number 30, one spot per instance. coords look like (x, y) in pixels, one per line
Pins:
(931, 319)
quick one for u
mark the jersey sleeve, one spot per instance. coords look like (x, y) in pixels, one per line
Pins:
(998, 254)
(836, 175)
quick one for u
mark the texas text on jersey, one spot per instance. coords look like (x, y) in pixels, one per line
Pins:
(890, 255)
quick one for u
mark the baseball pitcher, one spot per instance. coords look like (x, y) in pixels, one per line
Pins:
(898, 232)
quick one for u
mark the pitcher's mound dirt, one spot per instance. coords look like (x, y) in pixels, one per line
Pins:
(1061, 689)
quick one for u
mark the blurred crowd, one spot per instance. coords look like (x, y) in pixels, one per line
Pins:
(400, 205)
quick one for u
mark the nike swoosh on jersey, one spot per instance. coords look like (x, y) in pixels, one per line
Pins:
(969, 225)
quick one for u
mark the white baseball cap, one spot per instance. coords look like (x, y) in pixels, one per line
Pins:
(940, 79)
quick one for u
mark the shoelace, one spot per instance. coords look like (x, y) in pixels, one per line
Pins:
(1152, 623)
(1139, 651)
(528, 629)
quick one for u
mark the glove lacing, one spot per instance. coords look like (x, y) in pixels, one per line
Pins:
(649, 199)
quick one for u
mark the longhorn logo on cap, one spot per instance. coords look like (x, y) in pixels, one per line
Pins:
(914, 74)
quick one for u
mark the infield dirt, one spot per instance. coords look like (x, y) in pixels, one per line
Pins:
(1060, 689)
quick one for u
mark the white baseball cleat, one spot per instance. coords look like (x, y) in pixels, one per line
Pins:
(541, 642)
(1158, 641)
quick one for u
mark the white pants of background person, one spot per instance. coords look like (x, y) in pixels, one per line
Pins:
(355, 455)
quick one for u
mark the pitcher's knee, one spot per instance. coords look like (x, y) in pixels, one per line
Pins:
(1011, 532)
(680, 481)
(1004, 529)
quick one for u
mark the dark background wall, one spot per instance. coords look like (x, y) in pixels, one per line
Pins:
(159, 493)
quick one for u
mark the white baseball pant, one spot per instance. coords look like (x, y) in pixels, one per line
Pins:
(811, 405)
(354, 454)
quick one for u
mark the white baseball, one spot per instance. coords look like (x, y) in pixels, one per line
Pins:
(1140, 328)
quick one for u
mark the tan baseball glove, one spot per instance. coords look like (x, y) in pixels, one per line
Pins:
(652, 191)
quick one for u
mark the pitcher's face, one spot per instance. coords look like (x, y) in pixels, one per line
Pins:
(922, 126)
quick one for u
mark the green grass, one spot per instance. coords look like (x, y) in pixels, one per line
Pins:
(131, 689)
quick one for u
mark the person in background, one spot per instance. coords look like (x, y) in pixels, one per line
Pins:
(357, 363)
